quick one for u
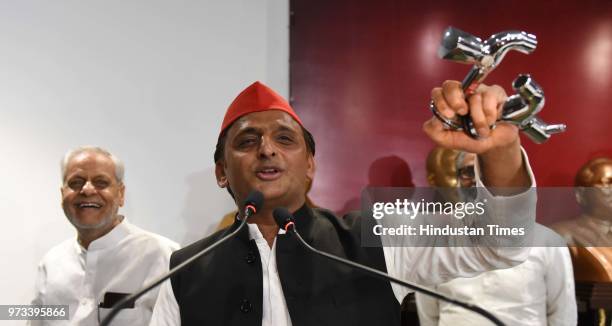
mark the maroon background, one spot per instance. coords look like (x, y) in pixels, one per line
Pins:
(362, 71)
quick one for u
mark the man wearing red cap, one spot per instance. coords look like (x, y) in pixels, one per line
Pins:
(264, 277)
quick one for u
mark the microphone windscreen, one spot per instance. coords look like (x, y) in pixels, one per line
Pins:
(282, 217)
(255, 199)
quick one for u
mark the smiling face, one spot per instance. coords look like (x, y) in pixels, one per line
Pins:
(91, 194)
(266, 151)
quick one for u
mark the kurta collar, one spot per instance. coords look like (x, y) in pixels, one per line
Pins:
(603, 226)
(303, 223)
(118, 233)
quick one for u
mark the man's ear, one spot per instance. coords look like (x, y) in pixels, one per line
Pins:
(121, 194)
(310, 172)
(220, 174)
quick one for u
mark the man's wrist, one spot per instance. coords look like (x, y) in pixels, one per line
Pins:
(504, 167)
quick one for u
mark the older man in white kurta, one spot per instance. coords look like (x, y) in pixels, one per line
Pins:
(109, 258)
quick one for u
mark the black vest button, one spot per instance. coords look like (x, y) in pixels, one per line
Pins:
(250, 258)
(246, 306)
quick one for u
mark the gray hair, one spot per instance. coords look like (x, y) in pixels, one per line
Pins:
(119, 167)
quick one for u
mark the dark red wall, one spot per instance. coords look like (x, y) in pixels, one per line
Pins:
(362, 72)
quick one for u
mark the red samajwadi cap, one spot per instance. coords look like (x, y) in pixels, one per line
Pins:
(256, 98)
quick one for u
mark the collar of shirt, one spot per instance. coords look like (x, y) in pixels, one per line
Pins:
(601, 226)
(255, 233)
(303, 223)
(119, 232)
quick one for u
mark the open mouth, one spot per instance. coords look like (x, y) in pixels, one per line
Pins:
(268, 173)
(88, 205)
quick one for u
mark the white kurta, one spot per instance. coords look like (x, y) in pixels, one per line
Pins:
(122, 261)
(538, 292)
(422, 265)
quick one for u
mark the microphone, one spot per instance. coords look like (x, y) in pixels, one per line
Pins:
(285, 221)
(252, 204)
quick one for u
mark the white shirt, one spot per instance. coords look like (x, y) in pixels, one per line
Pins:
(539, 292)
(122, 261)
(421, 265)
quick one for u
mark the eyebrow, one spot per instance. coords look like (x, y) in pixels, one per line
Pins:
(95, 177)
(258, 131)
(248, 130)
(286, 128)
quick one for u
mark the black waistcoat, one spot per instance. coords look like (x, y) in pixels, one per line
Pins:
(225, 286)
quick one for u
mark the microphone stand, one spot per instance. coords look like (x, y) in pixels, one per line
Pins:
(129, 300)
(290, 227)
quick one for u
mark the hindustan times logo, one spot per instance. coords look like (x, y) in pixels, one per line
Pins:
(411, 209)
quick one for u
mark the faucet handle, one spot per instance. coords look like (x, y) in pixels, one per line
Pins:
(460, 46)
(539, 131)
(527, 102)
(520, 109)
